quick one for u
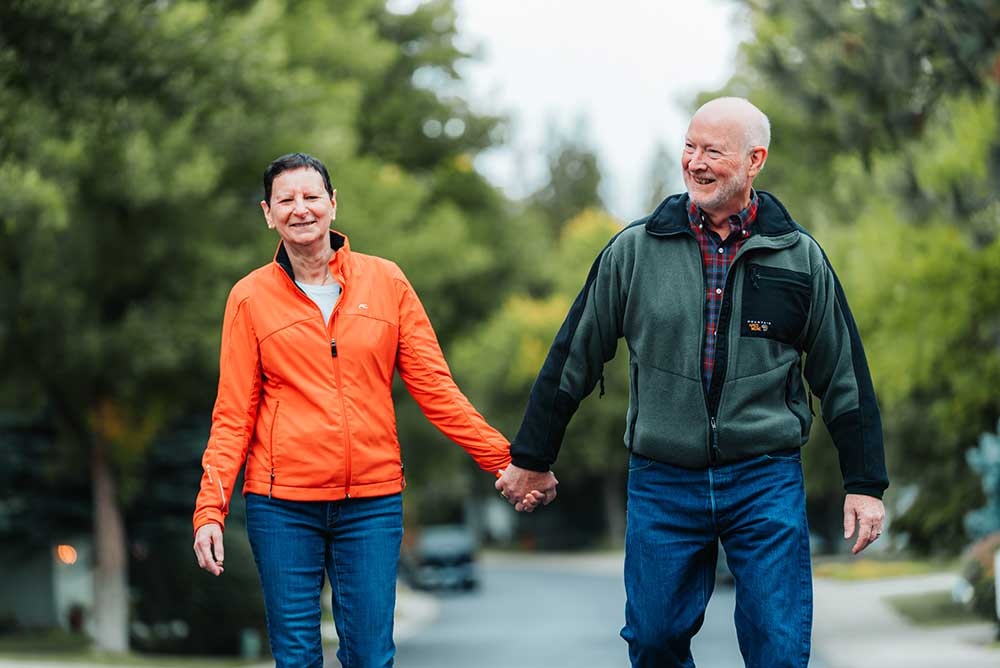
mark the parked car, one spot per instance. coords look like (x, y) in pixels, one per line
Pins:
(441, 557)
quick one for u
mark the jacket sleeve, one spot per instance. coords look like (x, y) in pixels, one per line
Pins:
(234, 416)
(587, 339)
(838, 374)
(425, 372)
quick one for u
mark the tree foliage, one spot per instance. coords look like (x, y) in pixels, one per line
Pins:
(132, 136)
(507, 351)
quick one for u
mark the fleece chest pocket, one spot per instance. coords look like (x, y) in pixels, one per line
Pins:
(775, 303)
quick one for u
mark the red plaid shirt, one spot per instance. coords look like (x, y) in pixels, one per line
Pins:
(717, 257)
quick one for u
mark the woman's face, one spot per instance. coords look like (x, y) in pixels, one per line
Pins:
(300, 208)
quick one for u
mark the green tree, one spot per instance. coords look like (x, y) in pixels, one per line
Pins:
(131, 140)
(103, 153)
(508, 350)
(131, 145)
(574, 179)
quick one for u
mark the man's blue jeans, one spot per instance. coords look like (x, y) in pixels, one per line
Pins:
(676, 517)
(356, 543)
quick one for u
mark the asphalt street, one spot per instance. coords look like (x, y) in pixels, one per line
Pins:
(550, 612)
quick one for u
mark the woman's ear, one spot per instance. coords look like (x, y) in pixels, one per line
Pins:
(267, 214)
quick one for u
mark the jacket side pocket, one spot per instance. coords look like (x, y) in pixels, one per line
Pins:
(775, 304)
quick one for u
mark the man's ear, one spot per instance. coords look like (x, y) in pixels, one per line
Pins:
(758, 156)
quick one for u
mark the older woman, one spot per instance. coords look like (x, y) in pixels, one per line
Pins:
(310, 343)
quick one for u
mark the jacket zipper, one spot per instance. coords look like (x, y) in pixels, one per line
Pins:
(716, 453)
(343, 406)
(635, 418)
(274, 421)
(713, 441)
(713, 394)
(222, 494)
(336, 370)
(756, 277)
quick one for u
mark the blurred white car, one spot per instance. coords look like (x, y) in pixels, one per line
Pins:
(441, 557)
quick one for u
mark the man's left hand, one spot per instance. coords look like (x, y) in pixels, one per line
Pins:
(525, 489)
(868, 514)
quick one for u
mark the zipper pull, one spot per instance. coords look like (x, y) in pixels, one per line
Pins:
(716, 452)
(755, 276)
(602, 387)
(271, 488)
(333, 347)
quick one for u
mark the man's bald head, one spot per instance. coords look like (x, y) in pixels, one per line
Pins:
(756, 128)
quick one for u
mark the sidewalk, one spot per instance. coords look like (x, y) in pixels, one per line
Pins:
(414, 610)
(854, 627)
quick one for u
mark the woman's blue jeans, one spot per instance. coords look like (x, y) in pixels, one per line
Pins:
(676, 517)
(356, 543)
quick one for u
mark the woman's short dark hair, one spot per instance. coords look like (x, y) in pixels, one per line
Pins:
(294, 161)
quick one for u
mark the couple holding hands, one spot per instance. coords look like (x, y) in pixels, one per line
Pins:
(719, 295)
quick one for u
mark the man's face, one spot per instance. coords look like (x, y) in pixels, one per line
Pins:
(300, 208)
(716, 165)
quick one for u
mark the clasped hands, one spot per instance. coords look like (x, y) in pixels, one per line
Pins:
(525, 489)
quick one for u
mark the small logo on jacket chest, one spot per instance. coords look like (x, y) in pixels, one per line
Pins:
(758, 325)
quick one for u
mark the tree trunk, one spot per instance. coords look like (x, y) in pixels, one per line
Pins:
(110, 566)
(614, 506)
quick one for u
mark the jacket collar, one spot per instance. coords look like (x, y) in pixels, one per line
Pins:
(338, 261)
(671, 217)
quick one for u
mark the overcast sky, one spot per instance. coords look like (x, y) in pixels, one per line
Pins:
(627, 68)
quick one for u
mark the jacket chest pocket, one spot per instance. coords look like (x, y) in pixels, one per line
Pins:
(775, 303)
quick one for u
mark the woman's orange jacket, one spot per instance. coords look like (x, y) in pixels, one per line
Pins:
(308, 405)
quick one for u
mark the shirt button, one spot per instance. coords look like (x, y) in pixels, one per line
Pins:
(718, 291)
(721, 250)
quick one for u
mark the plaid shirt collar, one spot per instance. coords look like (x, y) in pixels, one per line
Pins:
(741, 223)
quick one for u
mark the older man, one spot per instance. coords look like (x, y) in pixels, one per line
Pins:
(718, 294)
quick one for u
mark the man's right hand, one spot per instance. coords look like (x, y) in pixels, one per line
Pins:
(525, 489)
(209, 537)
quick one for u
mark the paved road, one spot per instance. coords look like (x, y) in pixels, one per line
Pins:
(573, 621)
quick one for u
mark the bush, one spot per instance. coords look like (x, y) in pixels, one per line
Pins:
(977, 569)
